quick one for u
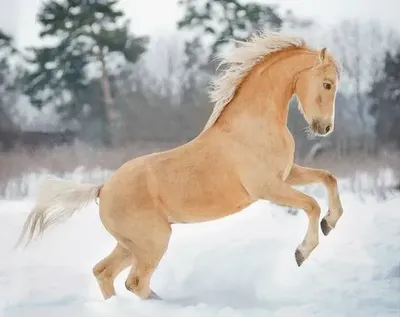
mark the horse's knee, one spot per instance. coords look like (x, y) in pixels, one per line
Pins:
(329, 179)
(312, 208)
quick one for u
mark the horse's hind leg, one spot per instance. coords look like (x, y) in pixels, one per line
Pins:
(149, 246)
(107, 270)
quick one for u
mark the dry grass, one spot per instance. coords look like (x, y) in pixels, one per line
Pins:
(67, 158)
(357, 162)
(18, 168)
(357, 165)
(16, 165)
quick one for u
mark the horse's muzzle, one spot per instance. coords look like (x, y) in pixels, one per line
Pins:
(321, 128)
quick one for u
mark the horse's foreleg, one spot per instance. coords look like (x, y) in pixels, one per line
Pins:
(303, 176)
(282, 193)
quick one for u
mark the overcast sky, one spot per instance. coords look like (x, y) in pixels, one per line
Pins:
(157, 16)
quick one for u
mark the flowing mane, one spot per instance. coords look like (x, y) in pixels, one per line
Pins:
(239, 61)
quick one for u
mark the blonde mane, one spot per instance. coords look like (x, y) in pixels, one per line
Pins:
(239, 61)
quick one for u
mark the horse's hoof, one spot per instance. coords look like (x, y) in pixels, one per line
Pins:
(154, 296)
(299, 257)
(325, 227)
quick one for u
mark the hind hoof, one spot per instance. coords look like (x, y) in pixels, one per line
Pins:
(299, 257)
(325, 227)
(154, 296)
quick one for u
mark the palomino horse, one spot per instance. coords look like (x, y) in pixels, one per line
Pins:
(245, 153)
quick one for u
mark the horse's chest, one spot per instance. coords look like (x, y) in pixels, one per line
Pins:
(286, 170)
(287, 156)
(278, 158)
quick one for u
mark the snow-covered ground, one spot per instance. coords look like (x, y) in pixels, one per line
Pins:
(241, 265)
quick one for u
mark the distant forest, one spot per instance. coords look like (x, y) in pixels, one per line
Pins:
(107, 87)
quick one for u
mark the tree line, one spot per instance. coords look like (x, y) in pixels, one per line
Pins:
(112, 87)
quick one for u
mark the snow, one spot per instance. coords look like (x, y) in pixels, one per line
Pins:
(242, 265)
(25, 185)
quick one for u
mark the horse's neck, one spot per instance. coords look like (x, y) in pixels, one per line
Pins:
(262, 101)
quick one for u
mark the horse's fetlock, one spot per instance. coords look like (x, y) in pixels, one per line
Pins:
(132, 284)
(313, 244)
(101, 272)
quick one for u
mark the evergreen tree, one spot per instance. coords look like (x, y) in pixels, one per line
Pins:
(87, 35)
(216, 22)
(6, 42)
(385, 105)
(224, 20)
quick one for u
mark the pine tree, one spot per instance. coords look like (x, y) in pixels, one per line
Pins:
(213, 24)
(6, 41)
(225, 20)
(86, 36)
(385, 105)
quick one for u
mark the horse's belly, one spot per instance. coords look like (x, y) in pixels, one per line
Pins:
(214, 211)
(212, 201)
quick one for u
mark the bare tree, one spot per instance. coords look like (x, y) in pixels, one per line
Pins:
(160, 98)
(360, 47)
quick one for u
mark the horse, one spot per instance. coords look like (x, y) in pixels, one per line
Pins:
(244, 153)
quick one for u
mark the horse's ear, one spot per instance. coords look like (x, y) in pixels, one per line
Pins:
(322, 55)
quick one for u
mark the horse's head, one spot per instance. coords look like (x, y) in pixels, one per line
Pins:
(316, 89)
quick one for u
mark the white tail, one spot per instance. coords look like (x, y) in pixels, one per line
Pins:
(57, 201)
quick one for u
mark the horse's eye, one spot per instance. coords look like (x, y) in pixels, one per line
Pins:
(327, 86)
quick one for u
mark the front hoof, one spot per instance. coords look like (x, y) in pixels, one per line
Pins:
(299, 257)
(325, 227)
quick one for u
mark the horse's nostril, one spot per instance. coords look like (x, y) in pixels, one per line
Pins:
(328, 128)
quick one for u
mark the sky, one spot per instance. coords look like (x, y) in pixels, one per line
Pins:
(153, 17)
